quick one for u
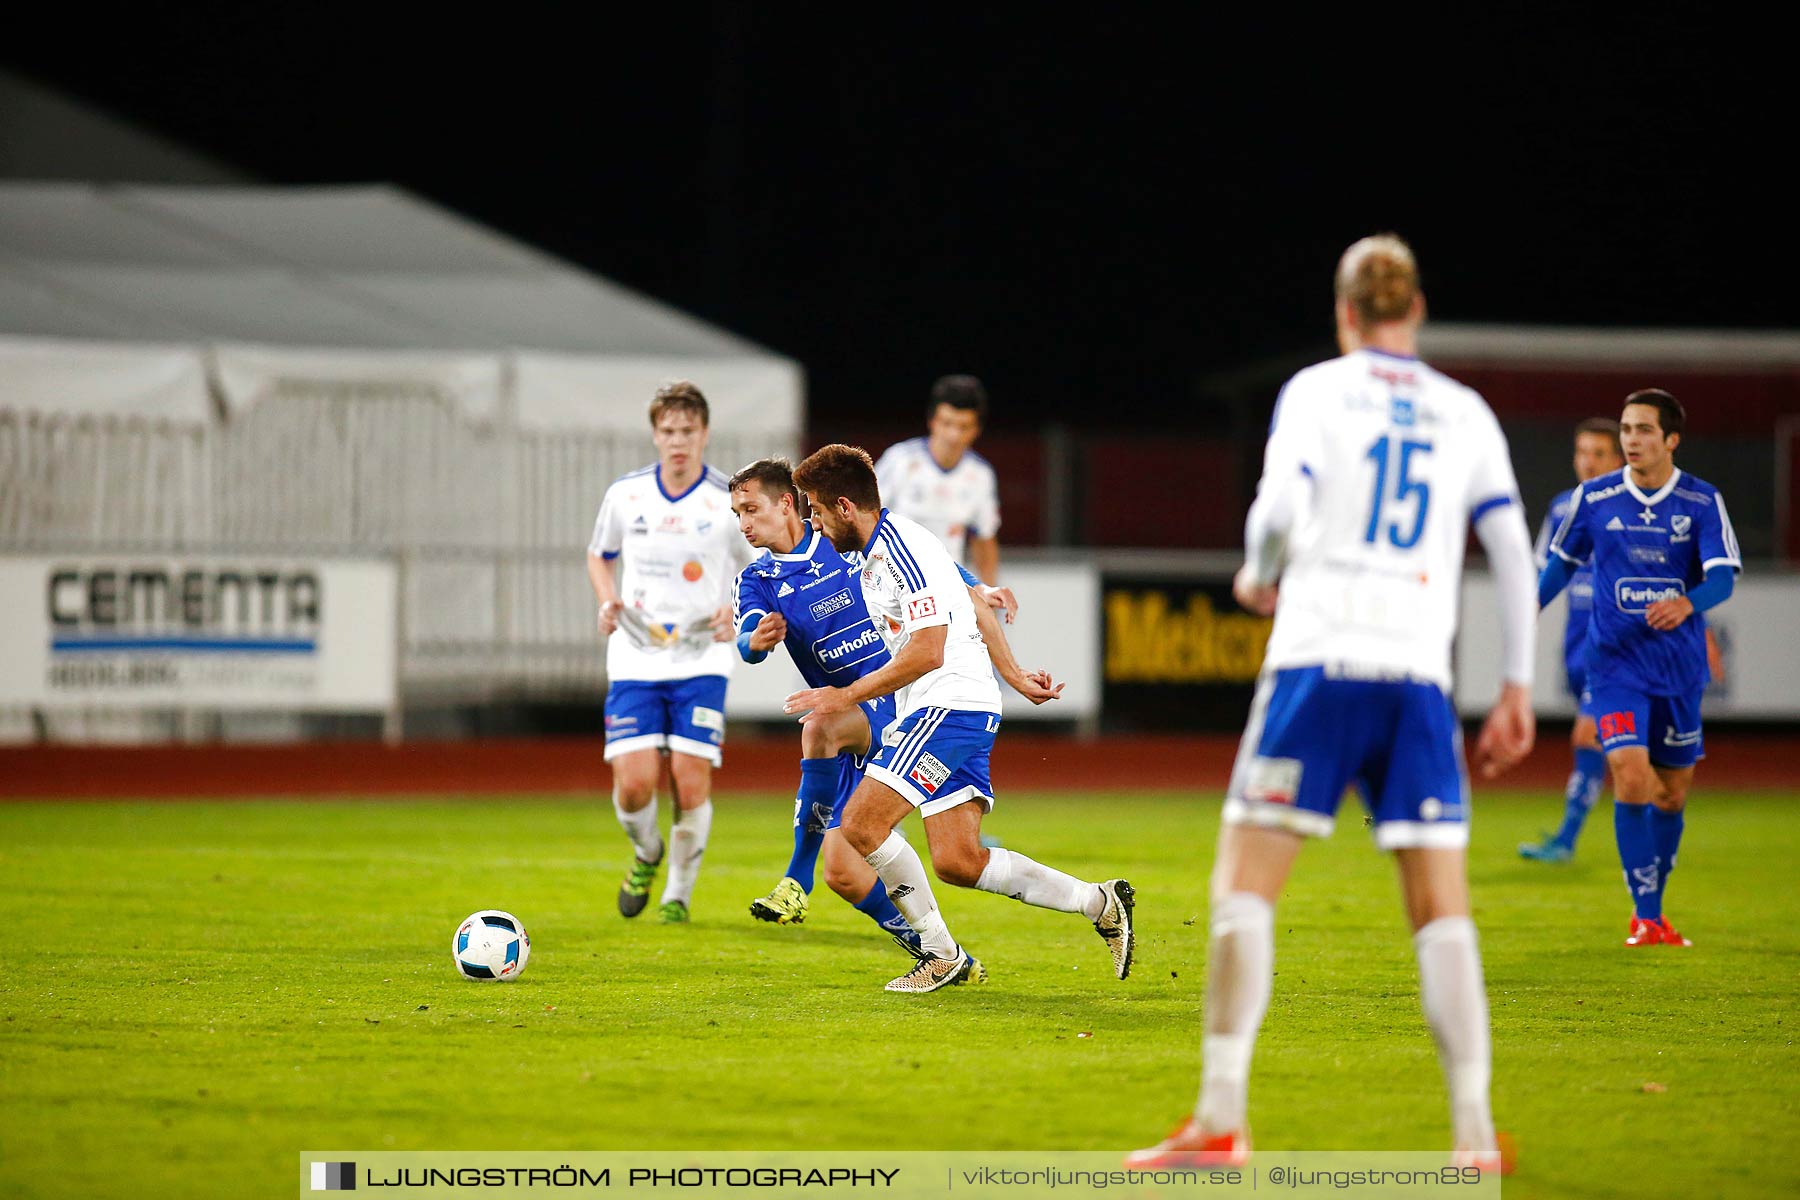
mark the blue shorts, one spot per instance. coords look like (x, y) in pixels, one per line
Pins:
(938, 757)
(1311, 736)
(1667, 726)
(1575, 676)
(682, 716)
(880, 712)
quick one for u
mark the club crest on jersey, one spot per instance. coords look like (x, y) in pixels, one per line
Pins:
(1681, 523)
(703, 527)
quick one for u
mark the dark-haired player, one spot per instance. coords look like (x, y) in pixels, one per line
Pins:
(1662, 552)
(947, 706)
(802, 592)
(939, 481)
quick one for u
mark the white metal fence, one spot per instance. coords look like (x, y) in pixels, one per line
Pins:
(488, 523)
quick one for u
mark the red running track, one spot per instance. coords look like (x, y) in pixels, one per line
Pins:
(1022, 762)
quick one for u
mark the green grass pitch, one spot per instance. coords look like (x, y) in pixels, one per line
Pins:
(197, 991)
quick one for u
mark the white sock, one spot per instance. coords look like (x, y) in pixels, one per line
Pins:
(640, 827)
(687, 842)
(1240, 972)
(1455, 1002)
(907, 886)
(1009, 873)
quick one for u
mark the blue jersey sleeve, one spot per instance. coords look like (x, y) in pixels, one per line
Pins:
(1574, 542)
(1716, 540)
(751, 601)
(967, 577)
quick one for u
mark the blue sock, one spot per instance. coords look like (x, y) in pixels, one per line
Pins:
(1585, 782)
(1637, 854)
(807, 841)
(879, 909)
(1666, 828)
(812, 808)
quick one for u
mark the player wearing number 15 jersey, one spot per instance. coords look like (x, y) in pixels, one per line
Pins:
(1375, 468)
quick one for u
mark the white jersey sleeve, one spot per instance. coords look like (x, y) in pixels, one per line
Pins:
(888, 471)
(911, 583)
(986, 521)
(609, 528)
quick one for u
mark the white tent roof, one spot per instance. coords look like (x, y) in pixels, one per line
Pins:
(368, 267)
(269, 283)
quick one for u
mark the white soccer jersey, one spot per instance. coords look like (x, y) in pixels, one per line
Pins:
(911, 583)
(679, 556)
(1389, 462)
(955, 505)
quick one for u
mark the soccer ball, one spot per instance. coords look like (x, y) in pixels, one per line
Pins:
(491, 944)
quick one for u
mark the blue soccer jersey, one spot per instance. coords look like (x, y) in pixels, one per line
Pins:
(1580, 594)
(830, 635)
(1645, 547)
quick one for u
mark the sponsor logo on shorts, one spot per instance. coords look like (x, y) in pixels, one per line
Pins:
(836, 602)
(1272, 780)
(929, 773)
(1617, 724)
(1635, 594)
(707, 718)
(1671, 737)
(924, 606)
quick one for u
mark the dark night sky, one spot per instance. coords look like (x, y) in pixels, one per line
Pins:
(1088, 215)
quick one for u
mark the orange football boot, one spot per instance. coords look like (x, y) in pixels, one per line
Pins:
(1669, 936)
(1644, 932)
(1188, 1145)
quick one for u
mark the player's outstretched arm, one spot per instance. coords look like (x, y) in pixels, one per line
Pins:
(1035, 686)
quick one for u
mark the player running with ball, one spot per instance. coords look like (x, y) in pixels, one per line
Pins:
(948, 709)
(1375, 468)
